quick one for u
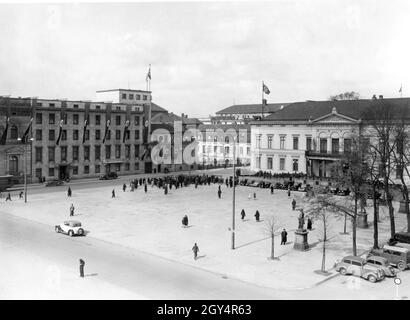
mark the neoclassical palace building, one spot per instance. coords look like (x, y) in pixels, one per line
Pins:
(307, 137)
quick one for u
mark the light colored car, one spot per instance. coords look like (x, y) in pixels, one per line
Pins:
(381, 263)
(358, 267)
(397, 256)
(70, 227)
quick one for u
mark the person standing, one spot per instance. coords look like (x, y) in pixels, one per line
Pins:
(284, 236)
(219, 193)
(293, 204)
(254, 196)
(195, 249)
(309, 224)
(21, 195)
(165, 189)
(243, 214)
(69, 192)
(271, 189)
(288, 192)
(145, 188)
(71, 210)
(82, 264)
(257, 215)
(8, 198)
(124, 187)
(113, 193)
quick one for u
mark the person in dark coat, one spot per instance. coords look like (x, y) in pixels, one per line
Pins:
(21, 195)
(69, 192)
(293, 204)
(145, 188)
(124, 187)
(284, 236)
(288, 192)
(309, 224)
(254, 196)
(219, 193)
(165, 189)
(82, 264)
(8, 197)
(271, 189)
(113, 193)
(71, 210)
(243, 214)
(195, 249)
(257, 215)
(185, 221)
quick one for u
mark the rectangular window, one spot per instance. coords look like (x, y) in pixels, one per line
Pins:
(51, 118)
(118, 134)
(86, 169)
(39, 154)
(97, 152)
(347, 145)
(51, 172)
(138, 97)
(127, 151)
(248, 151)
(39, 173)
(270, 138)
(75, 153)
(136, 166)
(136, 120)
(118, 151)
(258, 162)
(270, 163)
(51, 154)
(282, 142)
(215, 149)
(124, 96)
(39, 134)
(295, 143)
(64, 135)
(63, 153)
(75, 118)
(118, 166)
(258, 140)
(39, 118)
(97, 134)
(75, 171)
(97, 168)
(51, 105)
(335, 146)
(323, 145)
(108, 135)
(107, 152)
(226, 150)
(87, 135)
(144, 97)
(127, 166)
(75, 134)
(64, 118)
(136, 151)
(282, 164)
(118, 120)
(137, 134)
(308, 143)
(131, 96)
(51, 135)
(97, 119)
(86, 152)
(295, 166)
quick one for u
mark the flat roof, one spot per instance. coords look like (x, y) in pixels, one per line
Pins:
(133, 90)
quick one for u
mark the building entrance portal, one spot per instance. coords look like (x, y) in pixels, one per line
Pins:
(63, 173)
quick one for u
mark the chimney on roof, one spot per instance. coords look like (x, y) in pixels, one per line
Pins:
(182, 115)
(380, 96)
(374, 97)
(186, 116)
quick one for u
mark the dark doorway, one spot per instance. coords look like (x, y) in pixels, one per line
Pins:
(63, 173)
(148, 167)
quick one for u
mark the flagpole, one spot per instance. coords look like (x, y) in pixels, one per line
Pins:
(262, 99)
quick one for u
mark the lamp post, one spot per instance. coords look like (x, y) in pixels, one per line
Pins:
(233, 195)
(25, 169)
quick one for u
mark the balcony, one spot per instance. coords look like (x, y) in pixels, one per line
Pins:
(324, 154)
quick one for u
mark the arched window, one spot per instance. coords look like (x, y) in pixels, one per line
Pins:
(13, 165)
(14, 132)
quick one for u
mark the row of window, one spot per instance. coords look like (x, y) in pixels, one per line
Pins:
(137, 96)
(225, 150)
(97, 169)
(76, 119)
(282, 163)
(75, 152)
(98, 135)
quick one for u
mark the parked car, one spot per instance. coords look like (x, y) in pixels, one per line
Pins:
(403, 237)
(109, 176)
(397, 256)
(54, 183)
(343, 192)
(382, 263)
(70, 227)
(358, 267)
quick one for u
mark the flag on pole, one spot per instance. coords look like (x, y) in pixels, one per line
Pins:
(148, 74)
(265, 89)
(24, 139)
(85, 129)
(126, 131)
(107, 126)
(3, 138)
(60, 132)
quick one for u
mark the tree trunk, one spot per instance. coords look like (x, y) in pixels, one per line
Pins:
(406, 199)
(344, 227)
(272, 253)
(323, 269)
(354, 227)
(390, 205)
(375, 221)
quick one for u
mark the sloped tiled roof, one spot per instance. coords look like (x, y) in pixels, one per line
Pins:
(252, 108)
(355, 109)
(157, 108)
(165, 118)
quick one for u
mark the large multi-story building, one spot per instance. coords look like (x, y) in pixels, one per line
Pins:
(308, 137)
(64, 145)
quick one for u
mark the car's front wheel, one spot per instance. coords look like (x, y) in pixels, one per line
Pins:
(372, 278)
(343, 271)
(401, 265)
(57, 229)
(71, 233)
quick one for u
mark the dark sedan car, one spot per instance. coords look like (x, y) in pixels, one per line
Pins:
(54, 183)
(109, 176)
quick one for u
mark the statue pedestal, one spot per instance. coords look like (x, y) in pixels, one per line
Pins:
(402, 208)
(362, 220)
(301, 242)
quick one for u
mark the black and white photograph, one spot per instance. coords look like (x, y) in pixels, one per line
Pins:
(205, 150)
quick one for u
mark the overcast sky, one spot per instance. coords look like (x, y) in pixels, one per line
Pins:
(206, 55)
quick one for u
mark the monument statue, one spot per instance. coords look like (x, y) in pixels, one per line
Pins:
(301, 220)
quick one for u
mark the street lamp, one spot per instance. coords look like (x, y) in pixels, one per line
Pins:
(233, 195)
(25, 168)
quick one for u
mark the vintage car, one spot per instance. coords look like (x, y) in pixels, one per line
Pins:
(70, 227)
(109, 176)
(397, 256)
(403, 237)
(382, 263)
(53, 183)
(358, 267)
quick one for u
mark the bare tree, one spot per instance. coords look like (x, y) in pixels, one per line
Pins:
(352, 95)
(271, 226)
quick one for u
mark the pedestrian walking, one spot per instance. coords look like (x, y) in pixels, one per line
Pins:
(254, 196)
(185, 221)
(166, 190)
(309, 224)
(243, 214)
(124, 187)
(82, 264)
(8, 198)
(288, 192)
(113, 193)
(219, 193)
(71, 210)
(271, 189)
(195, 249)
(145, 188)
(257, 215)
(69, 192)
(21, 195)
(293, 204)
(284, 236)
